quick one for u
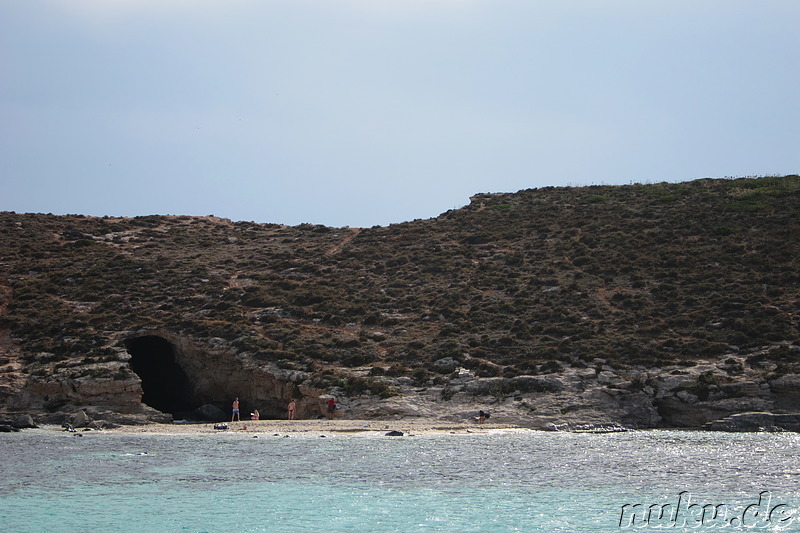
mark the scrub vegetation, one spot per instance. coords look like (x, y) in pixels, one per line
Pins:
(511, 284)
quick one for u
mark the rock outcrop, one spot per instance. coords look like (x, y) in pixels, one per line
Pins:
(214, 373)
(704, 395)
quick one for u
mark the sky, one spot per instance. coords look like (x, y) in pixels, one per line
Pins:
(370, 112)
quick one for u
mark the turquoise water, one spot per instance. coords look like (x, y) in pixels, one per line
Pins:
(520, 481)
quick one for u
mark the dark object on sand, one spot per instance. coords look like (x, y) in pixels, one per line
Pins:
(395, 433)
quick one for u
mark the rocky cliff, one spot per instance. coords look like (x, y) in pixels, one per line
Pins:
(641, 305)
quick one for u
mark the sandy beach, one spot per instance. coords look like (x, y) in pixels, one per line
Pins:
(321, 427)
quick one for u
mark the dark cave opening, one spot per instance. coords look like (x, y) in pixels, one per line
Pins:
(165, 385)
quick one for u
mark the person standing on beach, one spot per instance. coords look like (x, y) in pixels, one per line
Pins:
(331, 407)
(292, 407)
(235, 411)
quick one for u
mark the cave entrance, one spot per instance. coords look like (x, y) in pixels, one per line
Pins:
(165, 385)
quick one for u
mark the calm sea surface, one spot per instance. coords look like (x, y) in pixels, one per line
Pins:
(517, 481)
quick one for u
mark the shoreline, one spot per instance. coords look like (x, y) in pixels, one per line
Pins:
(354, 427)
(309, 428)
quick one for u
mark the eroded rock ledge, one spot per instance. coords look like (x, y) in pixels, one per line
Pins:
(161, 376)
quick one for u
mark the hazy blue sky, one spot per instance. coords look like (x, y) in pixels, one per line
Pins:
(367, 112)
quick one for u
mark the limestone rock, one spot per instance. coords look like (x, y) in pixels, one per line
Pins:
(80, 420)
(789, 422)
(639, 411)
(605, 377)
(677, 413)
(140, 415)
(123, 394)
(673, 396)
(756, 421)
(536, 384)
(23, 421)
(598, 428)
(446, 362)
(789, 383)
(686, 396)
(484, 386)
(787, 391)
(745, 388)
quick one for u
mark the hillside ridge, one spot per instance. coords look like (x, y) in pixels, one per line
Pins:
(643, 305)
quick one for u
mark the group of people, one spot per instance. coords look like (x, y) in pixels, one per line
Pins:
(255, 415)
(291, 410)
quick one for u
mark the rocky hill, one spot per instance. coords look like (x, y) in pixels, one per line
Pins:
(643, 305)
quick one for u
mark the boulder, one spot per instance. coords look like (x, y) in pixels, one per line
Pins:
(677, 413)
(23, 421)
(606, 377)
(7, 429)
(789, 383)
(639, 411)
(394, 433)
(80, 420)
(446, 363)
(741, 422)
(687, 396)
(786, 390)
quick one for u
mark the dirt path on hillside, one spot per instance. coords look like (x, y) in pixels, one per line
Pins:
(344, 242)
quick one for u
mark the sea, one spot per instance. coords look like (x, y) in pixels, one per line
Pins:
(515, 480)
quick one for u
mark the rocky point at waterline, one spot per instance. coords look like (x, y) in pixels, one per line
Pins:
(664, 305)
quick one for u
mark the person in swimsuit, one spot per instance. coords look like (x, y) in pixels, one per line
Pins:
(235, 412)
(331, 407)
(292, 407)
